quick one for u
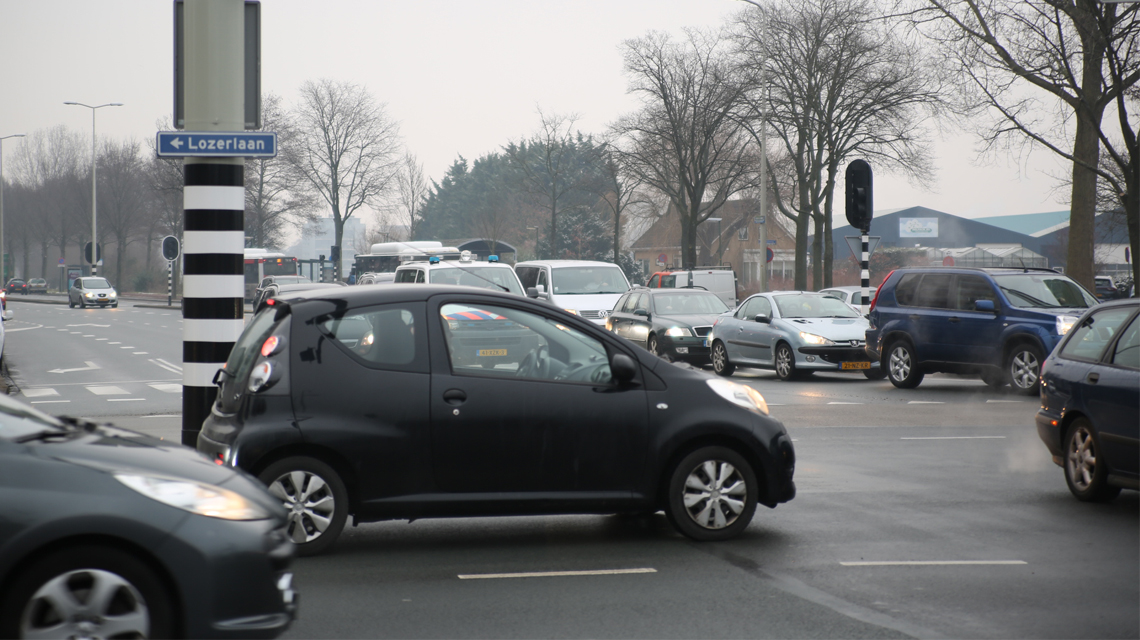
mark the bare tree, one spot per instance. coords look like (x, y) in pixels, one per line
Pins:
(276, 194)
(1027, 69)
(621, 190)
(49, 162)
(411, 189)
(686, 140)
(839, 82)
(122, 197)
(346, 147)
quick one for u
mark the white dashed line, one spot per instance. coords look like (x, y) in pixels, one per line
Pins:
(957, 438)
(937, 563)
(553, 574)
(997, 401)
(125, 399)
(138, 353)
(844, 403)
(108, 390)
(924, 402)
(49, 401)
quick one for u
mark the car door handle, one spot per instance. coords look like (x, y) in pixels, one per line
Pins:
(455, 396)
(954, 319)
(1094, 378)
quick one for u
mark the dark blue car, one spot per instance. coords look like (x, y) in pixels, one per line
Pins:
(1090, 402)
(998, 324)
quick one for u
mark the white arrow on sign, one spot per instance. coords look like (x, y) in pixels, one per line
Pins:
(176, 143)
(91, 366)
(88, 325)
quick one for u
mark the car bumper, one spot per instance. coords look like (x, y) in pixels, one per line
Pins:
(1049, 430)
(690, 349)
(835, 358)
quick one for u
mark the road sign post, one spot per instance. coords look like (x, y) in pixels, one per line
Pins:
(216, 144)
(860, 207)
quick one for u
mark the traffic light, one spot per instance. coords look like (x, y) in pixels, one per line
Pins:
(860, 195)
(334, 253)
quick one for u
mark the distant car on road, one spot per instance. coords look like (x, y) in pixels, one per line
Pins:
(109, 533)
(274, 289)
(376, 278)
(586, 288)
(466, 271)
(269, 280)
(670, 323)
(794, 333)
(852, 296)
(1106, 289)
(16, 285)
(37, 285)
(1090, 402)
(92, 291)
(413, 401)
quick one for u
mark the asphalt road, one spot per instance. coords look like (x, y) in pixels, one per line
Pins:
(933, 512)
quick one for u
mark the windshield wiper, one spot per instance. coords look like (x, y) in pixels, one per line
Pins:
(1030, 299)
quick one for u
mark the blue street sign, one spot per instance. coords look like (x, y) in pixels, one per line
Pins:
(217, 144)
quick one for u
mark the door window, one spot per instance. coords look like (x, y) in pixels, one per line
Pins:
(528, 276)
(934, 292)
(904, 291)
(387, 337)
(642, 302)
(407, 275)
(542, 280)
(495, 341)
(970, 290)
(1090, 338)
(1127, 353)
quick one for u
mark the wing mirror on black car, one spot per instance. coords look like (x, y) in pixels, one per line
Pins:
(622, 367)
(641, 312)
(763, 319)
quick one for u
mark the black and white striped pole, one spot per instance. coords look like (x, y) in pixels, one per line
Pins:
(859, 200)
(213, 288)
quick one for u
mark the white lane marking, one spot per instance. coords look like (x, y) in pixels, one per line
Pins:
(91, 366)
(89, 335)
(38, 326)
(125, 399)
(75, 333)
(166, 387)
(126, 347)
(165, 365)
(139, 353)
(924, 402)
(64, 330)
(169, 364)
(165, 415)
(114, 343)
(100, 339)
(553, 574)
(957, 438)
(88, 324)
(108, 390)
(39, 393)
(997, 401)
(49, 401)
(84, 384)
(844, 403)
(934, 563)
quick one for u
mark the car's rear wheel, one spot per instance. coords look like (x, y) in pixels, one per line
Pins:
(1024, 369)
(315, 497)
(87, 592)
(712, 494)
(1085, 471)
(785, 362)
(902, 365)
(721, 365)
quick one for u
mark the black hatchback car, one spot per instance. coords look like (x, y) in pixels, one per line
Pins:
(106, 533)
(670, 323)
(432, 401)
(1090, 402)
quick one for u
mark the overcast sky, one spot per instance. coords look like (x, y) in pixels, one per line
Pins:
(462, 77)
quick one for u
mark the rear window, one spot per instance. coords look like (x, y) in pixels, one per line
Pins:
(904, 291)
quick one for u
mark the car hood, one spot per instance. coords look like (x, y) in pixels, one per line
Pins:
(837, 329)
(688, 319)
(599, 301)
(1052, 312)
(111, 290)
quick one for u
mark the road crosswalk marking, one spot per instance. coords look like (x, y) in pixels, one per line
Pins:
(166, 387)
(108, 390)
(40, 393)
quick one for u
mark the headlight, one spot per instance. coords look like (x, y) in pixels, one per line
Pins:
(89, 295)
(740, 395)
(677, 332)
(573, 311)
(195, 497)
(1064, 323)
(811, 338)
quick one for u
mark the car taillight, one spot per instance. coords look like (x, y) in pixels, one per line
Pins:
(880, 288)
(271, 346)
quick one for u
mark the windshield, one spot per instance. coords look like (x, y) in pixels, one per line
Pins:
(18, 422)
(674, 304)
(588, 280)
(291, 280)
(96, 283)
(1044, 291)
(494, 278)
(813, 306)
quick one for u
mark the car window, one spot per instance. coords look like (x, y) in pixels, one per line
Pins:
(485, 277)
(838, 295)
(812, 306)
(1091, 336)
(629, 302)
(688, 303)
(542, 280)
(528, 276)
(387, 336)
(763, 306)
(642, 302)
(1044, 290)
(934, 292)
(972, 289)
(495, 341)
(904, 290)
(1127, 353)
(407, 275)
(589, 280)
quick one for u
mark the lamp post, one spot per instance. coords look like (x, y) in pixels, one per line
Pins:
(535, 230)
(94, 238)
(3, 262)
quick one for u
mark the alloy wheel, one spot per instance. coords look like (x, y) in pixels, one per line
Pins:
(900, 363)
(1080, 458)
(714, 495)
(784, 362)
(1023, 369)
(310, 503)
(86, 603)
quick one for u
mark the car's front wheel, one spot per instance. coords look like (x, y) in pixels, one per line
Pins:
(1024, 369)
(712, 494)
(87, 592)
(315, 497)
(720, 362)
(785, 362)
(902, 365)
(1085, 471)
(653, 347)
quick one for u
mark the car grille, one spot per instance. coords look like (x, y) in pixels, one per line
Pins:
(702, 331)
(593, 314)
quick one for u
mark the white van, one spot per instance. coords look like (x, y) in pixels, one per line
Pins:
(583, 287)
(719, 280)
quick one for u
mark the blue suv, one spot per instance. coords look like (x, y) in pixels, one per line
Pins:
(999, 324)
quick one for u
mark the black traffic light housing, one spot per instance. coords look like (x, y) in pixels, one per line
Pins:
(860, 195)
(334, 253)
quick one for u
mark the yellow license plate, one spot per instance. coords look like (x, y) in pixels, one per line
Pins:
(855, 365)
(491, 352)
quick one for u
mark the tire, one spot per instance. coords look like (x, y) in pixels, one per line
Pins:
(874, 374)
(785, 362)
(652, 347)
(115, 306)
(316, 513)
(1023, 369)
(1085, 473)
(70, 304)
(698, 479)
(902, 365)
(994, 379)
(136, 603)
(82, 303)
(720, 362)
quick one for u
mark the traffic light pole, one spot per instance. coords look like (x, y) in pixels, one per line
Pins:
(859, 188)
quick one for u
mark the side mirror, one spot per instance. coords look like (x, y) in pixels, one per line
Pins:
(641, 312)
(622, 368)
(531, 292)
(984, 305)
(763, 319)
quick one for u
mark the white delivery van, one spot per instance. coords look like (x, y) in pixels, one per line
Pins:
(719, 280)
(583, 287)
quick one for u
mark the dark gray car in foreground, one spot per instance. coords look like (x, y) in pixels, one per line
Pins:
(106, 533)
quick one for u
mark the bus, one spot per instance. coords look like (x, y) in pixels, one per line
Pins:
(262, 262)
(384, 257)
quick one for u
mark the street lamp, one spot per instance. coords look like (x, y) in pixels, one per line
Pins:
(94, 238)
(535, 230)
(3, 263)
